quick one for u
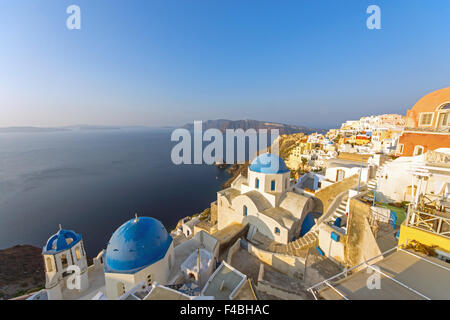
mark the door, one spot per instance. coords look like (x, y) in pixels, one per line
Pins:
(340, 175)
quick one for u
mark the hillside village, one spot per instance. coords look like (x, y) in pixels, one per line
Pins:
(371, 195)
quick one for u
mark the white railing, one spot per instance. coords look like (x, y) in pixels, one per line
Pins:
(429, 222)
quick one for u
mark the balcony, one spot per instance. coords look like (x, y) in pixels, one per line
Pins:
(433, 221)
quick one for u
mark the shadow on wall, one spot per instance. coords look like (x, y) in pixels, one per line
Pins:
(261, 226)
(318, 205)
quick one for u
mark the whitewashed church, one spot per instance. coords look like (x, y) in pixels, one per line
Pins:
(266, 200)
(140, 253)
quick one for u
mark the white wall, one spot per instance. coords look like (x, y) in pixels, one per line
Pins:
(396, 177)
(331, 173)
(330, 247)
(159, 272)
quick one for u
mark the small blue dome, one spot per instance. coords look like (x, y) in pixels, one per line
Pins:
(268, 163)
(62, 240)
(136, 244)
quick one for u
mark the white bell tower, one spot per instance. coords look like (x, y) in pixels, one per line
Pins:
(65, 264)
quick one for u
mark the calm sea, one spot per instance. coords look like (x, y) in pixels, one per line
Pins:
(93, 181)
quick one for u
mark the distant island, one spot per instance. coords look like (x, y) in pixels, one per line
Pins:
(29, 129)
(223, 124)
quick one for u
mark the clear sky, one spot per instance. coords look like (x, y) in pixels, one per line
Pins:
(168, 62)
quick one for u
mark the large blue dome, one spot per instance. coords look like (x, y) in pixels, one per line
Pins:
(268, 163)
(62, 240)
(136, 244)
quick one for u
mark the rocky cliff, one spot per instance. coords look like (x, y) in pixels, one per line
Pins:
(21, 269)
(223, 124)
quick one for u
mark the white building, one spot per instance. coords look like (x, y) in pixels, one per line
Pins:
(64, 255)
(139, 250)
(265, 200)
(339, 169)
(406, 177)
(198, 267)
(139, 253)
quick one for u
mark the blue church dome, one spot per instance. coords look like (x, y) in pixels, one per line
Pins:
(136, 244)
(268, 163)
(62, 240)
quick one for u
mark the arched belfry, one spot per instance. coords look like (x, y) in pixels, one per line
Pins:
(64, 255)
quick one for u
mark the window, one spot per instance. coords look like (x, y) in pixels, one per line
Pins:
(48, 262)
(340, 175)
(418, 150)
(272, 185)
(443, 120)
(78, 253)
(400, 148)
(64, 261)
(426, 118)
(245, 211)
(277, 231)
(257, 183)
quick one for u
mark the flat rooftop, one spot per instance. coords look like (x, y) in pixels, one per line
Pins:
(96, 283)
(333, 163)
(223, 282)
(163, 293)
(227, 233)
(429, 278)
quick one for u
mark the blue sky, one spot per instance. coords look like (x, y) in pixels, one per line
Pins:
(168, 62)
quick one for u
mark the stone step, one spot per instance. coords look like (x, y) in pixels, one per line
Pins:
(290, 251)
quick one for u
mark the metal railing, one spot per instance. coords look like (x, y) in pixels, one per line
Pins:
(344, 274)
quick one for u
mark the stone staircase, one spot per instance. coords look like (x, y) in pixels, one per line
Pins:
(372, 182)
(340, 211)
(310, 239)
(300, 246)
(296, 248)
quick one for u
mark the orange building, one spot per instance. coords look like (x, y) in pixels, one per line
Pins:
(427, 125)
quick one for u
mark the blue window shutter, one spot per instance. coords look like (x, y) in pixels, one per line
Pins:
(272, 186)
